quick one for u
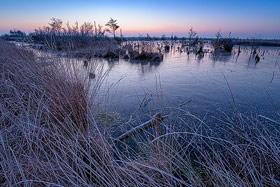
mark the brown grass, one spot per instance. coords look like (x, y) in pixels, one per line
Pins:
(49, 137)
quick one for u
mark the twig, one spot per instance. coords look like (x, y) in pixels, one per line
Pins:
(233, 100)
(185, 102)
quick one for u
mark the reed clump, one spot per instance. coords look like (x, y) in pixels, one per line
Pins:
(221, 44)
(48, 133)
(88, 40)
(49, 137)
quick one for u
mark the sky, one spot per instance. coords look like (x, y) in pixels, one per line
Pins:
(243, 18)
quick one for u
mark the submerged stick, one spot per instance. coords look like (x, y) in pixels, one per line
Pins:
(156, 120)
(272, 77)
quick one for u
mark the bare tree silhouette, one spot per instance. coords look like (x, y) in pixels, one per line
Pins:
(112, 26)
(56, 25)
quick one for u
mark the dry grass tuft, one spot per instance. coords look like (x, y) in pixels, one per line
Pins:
(49, 137)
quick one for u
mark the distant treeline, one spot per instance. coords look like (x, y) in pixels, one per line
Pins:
(18, 35)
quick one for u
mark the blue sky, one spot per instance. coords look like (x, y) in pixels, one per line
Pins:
(247, 18)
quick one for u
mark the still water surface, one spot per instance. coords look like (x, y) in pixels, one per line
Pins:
(206, 85)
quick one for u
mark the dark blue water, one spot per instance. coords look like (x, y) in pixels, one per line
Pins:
(180, 78)
(208, 85)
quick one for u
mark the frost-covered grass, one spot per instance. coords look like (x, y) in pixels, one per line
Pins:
(49, 137)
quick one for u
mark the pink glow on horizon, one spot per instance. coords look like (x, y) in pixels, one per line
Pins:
(203, 29)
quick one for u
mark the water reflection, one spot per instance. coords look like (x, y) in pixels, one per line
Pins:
(221, 57)
(183, 75)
